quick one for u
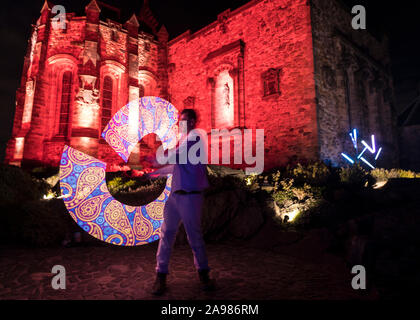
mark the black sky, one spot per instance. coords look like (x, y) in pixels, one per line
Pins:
(399, 20)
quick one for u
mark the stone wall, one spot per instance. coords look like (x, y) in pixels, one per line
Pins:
(353, 84)
(262, 37)
(90, 49)
(294, 68)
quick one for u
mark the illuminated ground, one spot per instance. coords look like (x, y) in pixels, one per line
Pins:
(290, 269)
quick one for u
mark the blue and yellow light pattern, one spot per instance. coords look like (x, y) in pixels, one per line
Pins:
(82, 178)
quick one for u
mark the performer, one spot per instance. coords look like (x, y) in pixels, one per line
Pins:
(184, 203)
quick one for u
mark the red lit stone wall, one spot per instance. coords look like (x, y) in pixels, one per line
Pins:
(91, 50)
(249, 41)
(277, 65)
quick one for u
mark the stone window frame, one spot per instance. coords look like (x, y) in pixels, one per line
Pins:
(149, 82)
(229, 54)
(105, 119)
(57, 65)
(233, 74)
(65, 104)
(271, 78)
(117, 72)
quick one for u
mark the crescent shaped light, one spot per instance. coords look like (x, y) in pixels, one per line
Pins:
(82, 177)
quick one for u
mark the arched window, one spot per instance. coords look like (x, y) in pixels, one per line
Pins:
(106, 101)
(65, 103)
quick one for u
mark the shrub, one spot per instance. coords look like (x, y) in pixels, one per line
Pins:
(117, 184)
(143, 194)
(44, 172)
(380, 174)
(220, 183)
(45, 223)
(17, 186)
(296, 194)
(26, 218)
(354, 176)
(276, 179)
(316, 173)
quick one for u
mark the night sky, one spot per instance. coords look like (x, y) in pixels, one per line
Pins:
(399, 20)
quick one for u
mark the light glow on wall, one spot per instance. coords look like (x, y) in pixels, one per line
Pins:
(29, 101)
(224, 100)
(19, 148)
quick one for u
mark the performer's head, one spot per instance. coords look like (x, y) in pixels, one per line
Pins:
(189, 118)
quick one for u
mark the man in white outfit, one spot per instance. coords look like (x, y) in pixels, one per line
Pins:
(184, 203)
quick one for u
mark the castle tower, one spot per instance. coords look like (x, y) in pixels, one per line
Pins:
(76, 76)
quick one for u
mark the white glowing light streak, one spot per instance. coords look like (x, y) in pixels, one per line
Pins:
(347, 158)
(367, 162)
(354, 138)
(64, 196)
(377, 155)
(52, 196)
(361, 153)
(373, 149)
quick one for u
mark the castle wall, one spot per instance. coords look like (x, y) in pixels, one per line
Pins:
(294, 68)
(248, 42)
(353, 84)
(91, 50)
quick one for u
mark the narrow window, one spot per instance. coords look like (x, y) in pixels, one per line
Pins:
(65, 103)
(106, 101)
(271, 82)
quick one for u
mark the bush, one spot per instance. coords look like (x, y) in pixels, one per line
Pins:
(45, 223)
(296, 194)
(17, 186)
(143, 194)
(26, 218)
(383, 174)
(354, 176)
(220, 183)
(316, 173)
(117, 184)
(44, 172)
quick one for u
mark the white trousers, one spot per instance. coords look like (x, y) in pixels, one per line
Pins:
(185, 207)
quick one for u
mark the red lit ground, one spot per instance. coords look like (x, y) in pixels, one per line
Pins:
(288, 269)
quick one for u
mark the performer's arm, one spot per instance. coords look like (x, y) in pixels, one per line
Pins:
(162, 172)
